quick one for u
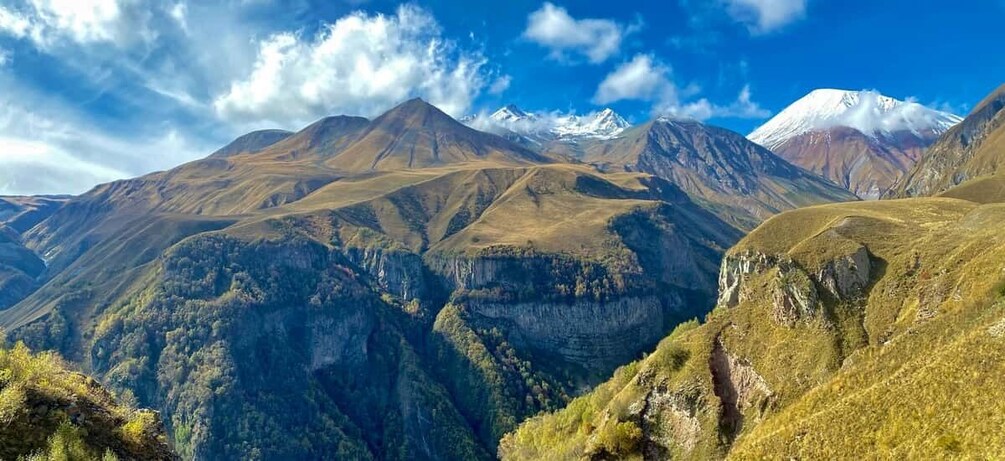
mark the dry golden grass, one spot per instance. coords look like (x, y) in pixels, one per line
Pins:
(910, 371)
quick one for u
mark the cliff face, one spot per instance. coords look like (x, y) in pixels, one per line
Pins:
(595, 336)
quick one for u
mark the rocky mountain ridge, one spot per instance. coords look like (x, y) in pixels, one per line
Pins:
(972, 149)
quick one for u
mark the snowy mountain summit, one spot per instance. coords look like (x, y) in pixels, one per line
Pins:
(605, 124)
(866, 111)
(510, 114)
(541, 127)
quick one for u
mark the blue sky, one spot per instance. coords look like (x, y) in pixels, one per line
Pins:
(96, 90)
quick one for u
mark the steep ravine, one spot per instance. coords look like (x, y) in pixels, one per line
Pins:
(391, 354)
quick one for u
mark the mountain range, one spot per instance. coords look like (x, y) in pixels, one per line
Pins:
(411, 287)
(539, 129)
(734, 178)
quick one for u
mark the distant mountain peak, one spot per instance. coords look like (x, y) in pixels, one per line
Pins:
(867, 111)
(544, 126)
(510, 114)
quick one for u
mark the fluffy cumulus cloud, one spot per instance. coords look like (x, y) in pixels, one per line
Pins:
(595, 39)
(362, 64)
(869, 112)
(703, 109)
(642, 78)
(645, 78)
(764, 16)
(153, 83)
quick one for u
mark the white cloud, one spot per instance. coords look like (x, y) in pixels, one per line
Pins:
(13, 23)
(500, 84)
(645, 78)
(872, 112)
(703, 109)
(765, 16)
(4, 57)
(361, 64)
(47, 147)
(49, 23)
(179, 12)
(642, 78)
(183, 77)
(552, 27)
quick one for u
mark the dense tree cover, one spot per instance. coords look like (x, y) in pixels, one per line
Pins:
(494, 386)
(270, 351)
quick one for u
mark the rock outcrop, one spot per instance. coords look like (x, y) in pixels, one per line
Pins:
(736, 268)
(846, 277)
(793, 295)
(794, 291)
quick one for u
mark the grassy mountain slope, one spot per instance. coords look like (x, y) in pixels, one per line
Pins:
(738, 180)
(251, 143)
(19, 268)
(972, 149)
(23, 213)
(865, 330)
(51, 413)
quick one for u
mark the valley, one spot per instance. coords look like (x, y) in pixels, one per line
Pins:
(409, 287)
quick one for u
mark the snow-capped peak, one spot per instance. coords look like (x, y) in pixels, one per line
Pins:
(866, 111)
(604, 124)
(510, 113)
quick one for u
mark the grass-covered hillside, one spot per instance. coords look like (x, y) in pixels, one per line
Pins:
(855, 331)
(50, 413)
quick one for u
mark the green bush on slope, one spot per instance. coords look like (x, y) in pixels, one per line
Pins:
(49, 413)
